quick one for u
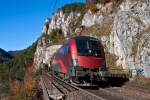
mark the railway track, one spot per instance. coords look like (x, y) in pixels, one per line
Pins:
(71, 92)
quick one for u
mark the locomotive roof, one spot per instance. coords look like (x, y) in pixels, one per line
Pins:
(85, 37)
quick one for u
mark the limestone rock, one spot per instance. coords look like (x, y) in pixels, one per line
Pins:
(43, 53)
(128, 33)
(39, 53)
(49, 52)
(90, 19)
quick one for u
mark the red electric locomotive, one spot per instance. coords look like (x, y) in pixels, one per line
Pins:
(80, 60)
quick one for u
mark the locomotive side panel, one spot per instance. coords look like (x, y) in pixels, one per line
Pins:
(58, 61)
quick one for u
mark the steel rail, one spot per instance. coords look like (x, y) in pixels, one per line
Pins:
(74, 93)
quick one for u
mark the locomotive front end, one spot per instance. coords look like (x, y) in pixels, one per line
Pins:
(88, 59)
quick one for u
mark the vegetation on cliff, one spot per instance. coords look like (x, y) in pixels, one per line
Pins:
(12, 73)
(55, 37)
(74, 7)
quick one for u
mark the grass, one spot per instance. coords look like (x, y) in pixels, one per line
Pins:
(116, 3)
(76, 22)
(104, 29)
(56, 37)
(74, 7)
(91, 6)
(113, 67)
(111, 61)
(141, 81)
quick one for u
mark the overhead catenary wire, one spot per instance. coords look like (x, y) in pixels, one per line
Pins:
(54, 7)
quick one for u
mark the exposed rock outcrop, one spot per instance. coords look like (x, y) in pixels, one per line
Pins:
(39, 53)
(50, 50)
(60, 21)
(129, 39)
(127, 36)
(43, 53)
(90, 19)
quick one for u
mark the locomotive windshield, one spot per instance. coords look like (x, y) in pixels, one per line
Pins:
(88, 47)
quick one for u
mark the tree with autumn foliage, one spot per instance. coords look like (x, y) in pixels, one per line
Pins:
(13, 73)
(30, 85)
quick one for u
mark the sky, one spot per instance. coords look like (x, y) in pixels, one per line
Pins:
(21, 21)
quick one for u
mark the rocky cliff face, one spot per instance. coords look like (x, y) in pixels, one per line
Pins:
(129, 36)
(39, 53)
(124, 30)
(43, 53)
(60, 21)
(129, 39)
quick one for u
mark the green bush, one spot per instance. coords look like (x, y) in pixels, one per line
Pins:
(74, 7)
(14, 69)
(56, 36)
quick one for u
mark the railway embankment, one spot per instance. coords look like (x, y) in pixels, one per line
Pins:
(57, 88)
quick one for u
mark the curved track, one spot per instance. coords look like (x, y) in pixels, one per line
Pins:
(71, 92)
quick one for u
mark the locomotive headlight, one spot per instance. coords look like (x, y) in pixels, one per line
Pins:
(75, 62)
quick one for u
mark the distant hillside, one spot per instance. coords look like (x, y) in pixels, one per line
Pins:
(15, 53)
(4, 55)
(13, 72)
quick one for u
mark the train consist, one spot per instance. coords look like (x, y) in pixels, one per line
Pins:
(80, 60)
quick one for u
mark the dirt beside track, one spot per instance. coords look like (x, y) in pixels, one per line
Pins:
(128, 91)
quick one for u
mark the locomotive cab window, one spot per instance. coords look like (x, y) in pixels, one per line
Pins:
(88, 47)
